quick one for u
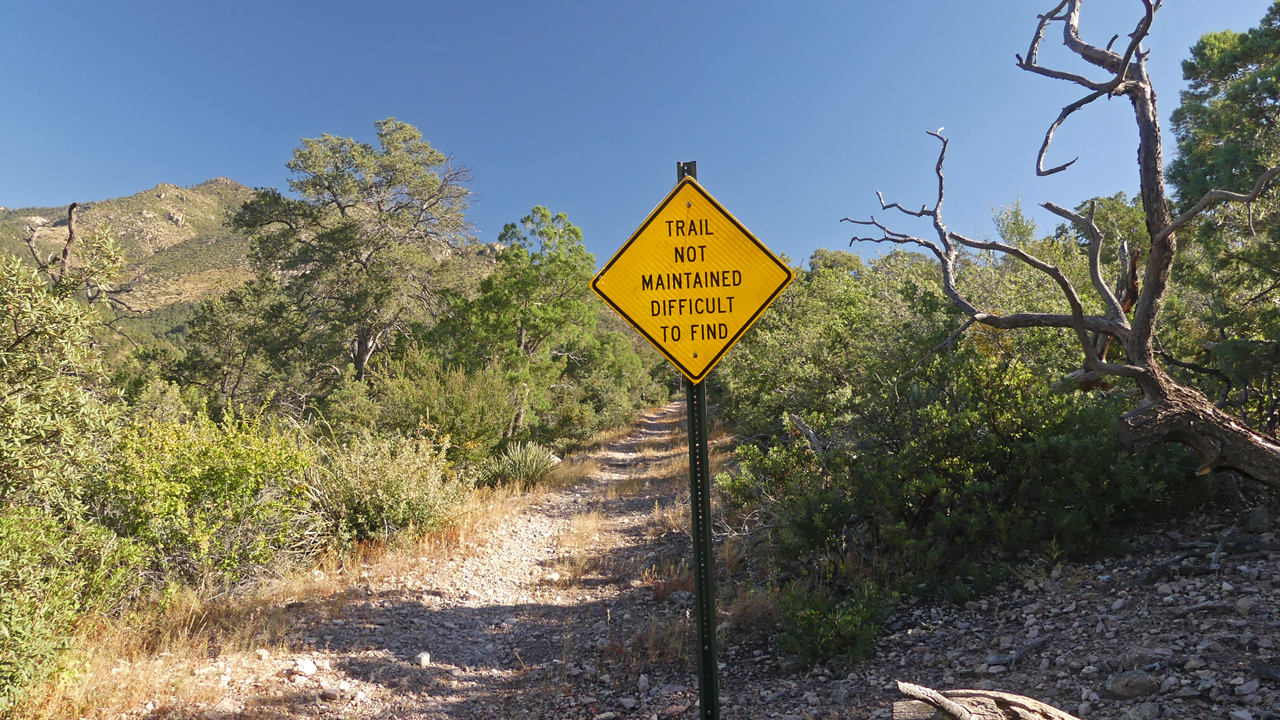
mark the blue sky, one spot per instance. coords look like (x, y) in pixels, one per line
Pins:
(796, 112)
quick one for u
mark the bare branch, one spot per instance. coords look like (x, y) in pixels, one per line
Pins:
(1095, 249)
(1033, 52)
(1091, 54)
(1073, 299)
(31, 245)
(1212, 197)
(1119, 65)
(924, 209)
(1048, 136)
(71, 238)
(892, 236)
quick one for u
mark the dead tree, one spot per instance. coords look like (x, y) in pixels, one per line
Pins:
(1168, 411)
(929, 704)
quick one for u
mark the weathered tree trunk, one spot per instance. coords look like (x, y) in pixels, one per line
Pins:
(928, 704)
(1184, 415)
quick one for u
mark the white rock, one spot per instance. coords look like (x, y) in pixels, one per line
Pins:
(305, 667)
(643, 684)
(262, 654)
(424, 659)
(224, 710)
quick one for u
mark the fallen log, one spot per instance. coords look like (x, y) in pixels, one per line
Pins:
(929, 704)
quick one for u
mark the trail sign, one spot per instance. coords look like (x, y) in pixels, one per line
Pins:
(692, 279)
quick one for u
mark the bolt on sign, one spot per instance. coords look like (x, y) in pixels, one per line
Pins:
(692, 279)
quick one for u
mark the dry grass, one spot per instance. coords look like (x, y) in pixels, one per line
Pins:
(166, 655)
(575, 560)
(752, 611)
(664, 640)
(671, 518)
(569, 473)
(632, 484)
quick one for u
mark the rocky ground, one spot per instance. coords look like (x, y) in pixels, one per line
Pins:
(578, 607)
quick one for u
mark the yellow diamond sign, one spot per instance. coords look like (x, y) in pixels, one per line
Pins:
(692, 279)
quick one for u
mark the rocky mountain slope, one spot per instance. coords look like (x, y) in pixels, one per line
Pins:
(178, 244)
(176, 239)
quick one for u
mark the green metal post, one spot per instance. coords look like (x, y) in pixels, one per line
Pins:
(703, 555)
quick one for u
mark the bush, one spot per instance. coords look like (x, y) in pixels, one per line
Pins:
(53, 422)
(373, 488)
(523, 463)
(212, 503)
(49, 576)
(978, 455)
(822, 625)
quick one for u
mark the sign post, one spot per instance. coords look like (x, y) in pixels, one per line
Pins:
(692, 280)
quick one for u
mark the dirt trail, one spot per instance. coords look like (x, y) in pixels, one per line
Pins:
(550, 615)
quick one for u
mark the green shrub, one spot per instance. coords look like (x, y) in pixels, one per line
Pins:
(49, 577)
(374, 487)
(821, 624)
(213, 503)
(978, 455)
(524, 463)
(54, 423)
(473, 409)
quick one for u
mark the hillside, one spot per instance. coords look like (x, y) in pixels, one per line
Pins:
(178, 245)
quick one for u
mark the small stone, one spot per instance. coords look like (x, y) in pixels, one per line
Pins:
(1187, 692)
(1227, 587)
(1083, 709)
(1240, 715)
(1195, 663)
(304, 667)
(972, 606)
(1132, 684)
(607, 716)
(424, 659)
(1164, 590)
(1248, 688)
(456, 672)
(262, 654)
(1169, 683)
(643, 683)
(1245, 606)
(226, 709)
(1145, 711)
(1088, 671)
(673, 710)
(1119, 604)
(840, 696)
(811, 698)
(330, 694)
(996, 669)
(628, 703)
